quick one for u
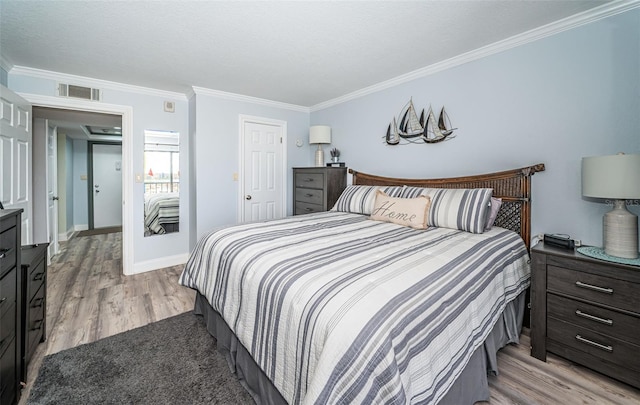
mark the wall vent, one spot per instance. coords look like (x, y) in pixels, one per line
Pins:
(85, 93)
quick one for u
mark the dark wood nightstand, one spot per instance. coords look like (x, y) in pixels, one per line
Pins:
(586, 310)
(316, 189)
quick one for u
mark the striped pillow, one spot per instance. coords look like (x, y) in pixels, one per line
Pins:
(463, 208)
(360, 199)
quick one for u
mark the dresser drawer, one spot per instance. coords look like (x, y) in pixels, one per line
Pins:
(310, 195)
(601, 320)
(7, 290)
(7, 327)
(7, 373)
(7, 250)
(595, 344)
(604, 290)
(35, 327)
(306, 208)
(309, 180)
(36, 278)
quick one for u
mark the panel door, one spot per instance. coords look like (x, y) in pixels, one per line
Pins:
(107, 185)
(15, 158)
(52, 190)
(262, 171)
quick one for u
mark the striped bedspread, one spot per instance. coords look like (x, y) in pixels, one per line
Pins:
(337, 308)
(160, 210)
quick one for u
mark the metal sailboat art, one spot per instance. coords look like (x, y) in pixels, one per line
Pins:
(415, 130)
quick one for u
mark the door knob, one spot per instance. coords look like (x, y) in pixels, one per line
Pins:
(248, 197)
(97, 191)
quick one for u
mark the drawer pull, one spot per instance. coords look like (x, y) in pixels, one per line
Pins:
(4, 252)
(594, 318)
(594, 287)
(38, 276)
(309, 195)
(308, 209)
(37, 325)
(3, 300)
(594, 344)
(37, 303)
(308, 180)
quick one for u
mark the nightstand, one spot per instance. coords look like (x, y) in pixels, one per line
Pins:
(586, 310)
(316, 189)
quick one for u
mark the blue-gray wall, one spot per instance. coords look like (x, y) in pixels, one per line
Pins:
(68, 163)
(216, 154)
(553, 101)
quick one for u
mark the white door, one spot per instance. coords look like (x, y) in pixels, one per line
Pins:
(15, 156)
(52, 190)
(262, 174)
(107, 185)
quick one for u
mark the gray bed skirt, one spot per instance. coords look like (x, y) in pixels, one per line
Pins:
(470, 387)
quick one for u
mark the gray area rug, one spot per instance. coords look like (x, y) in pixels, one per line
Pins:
(173, 361)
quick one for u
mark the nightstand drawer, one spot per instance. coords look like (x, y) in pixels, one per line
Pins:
(601, 320)
(603, 290)
(36, 276)
(7, 291)
(310, 195)
(306, 208)
(595, 344)
(309, 180)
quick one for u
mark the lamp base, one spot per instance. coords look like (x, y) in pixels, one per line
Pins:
(620, 231)
(319, 156)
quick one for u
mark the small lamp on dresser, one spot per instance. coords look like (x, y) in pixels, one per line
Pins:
(615, 177)
(320, 134)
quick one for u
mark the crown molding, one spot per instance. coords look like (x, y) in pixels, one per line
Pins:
(577, 20)
(95, 83)
(249, 99)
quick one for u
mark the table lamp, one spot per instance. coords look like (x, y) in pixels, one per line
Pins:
(320, 134)
(617, 178)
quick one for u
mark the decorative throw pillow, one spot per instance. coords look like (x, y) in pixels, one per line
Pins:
(411, 212)
(462, 208)
(360, 199)
(493, 212)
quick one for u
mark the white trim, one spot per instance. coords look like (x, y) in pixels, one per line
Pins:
(65, 236)
(94, 83)
(127, 153)
(243, 119)
(80, 227)
(574, 21)
(249, 99)
(160, 263)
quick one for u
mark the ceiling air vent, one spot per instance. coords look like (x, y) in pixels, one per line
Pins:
(85, 93)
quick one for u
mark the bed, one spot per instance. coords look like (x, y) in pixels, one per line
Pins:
(336, 308)
(161, 213)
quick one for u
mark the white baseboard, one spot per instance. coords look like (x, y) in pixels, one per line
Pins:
(65, 236)
(81, 227)
(158, 263)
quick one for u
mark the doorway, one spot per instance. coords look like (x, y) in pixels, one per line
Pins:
(125, 113)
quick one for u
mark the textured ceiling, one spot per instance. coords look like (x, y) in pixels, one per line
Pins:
(302, 52)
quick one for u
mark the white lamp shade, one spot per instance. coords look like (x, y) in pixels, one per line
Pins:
(613, 176)
(320, 134)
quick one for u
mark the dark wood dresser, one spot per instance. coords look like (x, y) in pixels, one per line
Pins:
(10, 307)
(316, 189)
(586, 310)
(34, 299)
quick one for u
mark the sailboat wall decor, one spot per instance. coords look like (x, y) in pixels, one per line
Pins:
(412, 129)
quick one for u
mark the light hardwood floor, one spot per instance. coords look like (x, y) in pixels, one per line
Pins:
(88, 298)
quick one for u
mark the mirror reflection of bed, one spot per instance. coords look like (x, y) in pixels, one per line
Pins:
(161, 182)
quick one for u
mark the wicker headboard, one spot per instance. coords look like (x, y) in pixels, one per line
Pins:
(513, 186)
